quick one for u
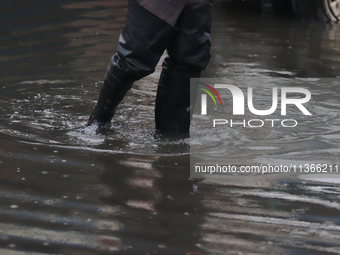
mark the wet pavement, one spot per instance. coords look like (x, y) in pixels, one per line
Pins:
(65, 190)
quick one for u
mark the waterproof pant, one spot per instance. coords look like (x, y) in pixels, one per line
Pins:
(181, 27)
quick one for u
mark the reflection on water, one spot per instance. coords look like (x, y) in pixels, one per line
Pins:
(66, 190)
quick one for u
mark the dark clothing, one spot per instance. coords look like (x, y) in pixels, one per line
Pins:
(182, 28)
(144, 39)
(190, 46)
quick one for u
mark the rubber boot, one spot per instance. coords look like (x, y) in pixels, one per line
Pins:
(173, 110)
(141, 44)
(189, 53)
(112, 92)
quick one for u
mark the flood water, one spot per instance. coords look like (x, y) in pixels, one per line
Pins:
(65, 190)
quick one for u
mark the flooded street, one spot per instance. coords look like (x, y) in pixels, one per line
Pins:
(67, 190)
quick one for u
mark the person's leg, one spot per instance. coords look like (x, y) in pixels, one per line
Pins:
(141, 44)
(189, 54)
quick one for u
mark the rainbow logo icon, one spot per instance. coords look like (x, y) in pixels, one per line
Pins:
(204, 97)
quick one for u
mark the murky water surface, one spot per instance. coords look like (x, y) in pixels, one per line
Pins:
(126, 191)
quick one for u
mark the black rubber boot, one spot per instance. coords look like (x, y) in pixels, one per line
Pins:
(189, 53)
(141, 44)
(112, 92)
(174, 108)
